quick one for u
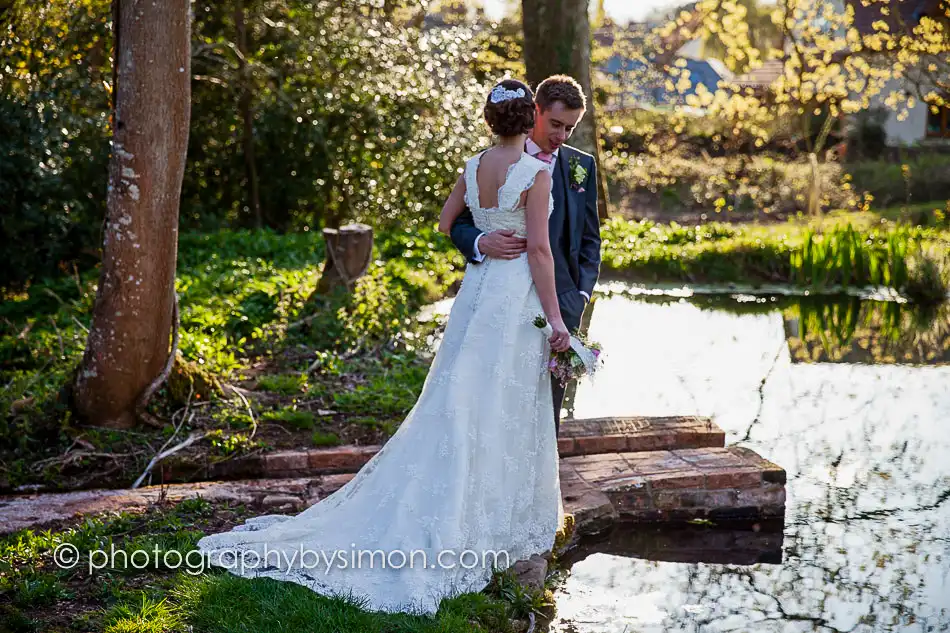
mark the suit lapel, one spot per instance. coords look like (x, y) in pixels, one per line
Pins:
(567, 201)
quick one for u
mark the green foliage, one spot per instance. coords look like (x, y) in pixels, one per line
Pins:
(44, 327)
(847, 257)
(813, 256)
(416, 271)
(522, 600)
(219, 275)
(928, 277)
(298, 419)
(229, 444)
(13, 620)
(162, 550)
(321, 439)
(358, 125)
(708, 252)
(392, 388)
(659, 132)
(369, 124)
(286, 384)
(237, 287)
(54, 91)
(35, 590)
(867, 137)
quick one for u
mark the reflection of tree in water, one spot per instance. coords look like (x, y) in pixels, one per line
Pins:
(865, 551)
(843, 328)
(867, 532)
(868, 556)
(855, 331)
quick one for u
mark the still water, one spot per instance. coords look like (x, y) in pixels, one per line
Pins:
(851, 397)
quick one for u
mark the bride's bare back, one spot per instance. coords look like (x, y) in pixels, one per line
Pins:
(492, 174)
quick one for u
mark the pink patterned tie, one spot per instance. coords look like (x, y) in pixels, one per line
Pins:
(548, 158)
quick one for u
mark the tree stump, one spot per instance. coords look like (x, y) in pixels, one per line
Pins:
(349, 251)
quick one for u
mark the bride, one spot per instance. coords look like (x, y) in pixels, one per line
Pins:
(469, 481)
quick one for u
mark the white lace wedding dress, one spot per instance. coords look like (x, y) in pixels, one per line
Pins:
(474, 466)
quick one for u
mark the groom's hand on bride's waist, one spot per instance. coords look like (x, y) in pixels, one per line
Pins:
(501, 244)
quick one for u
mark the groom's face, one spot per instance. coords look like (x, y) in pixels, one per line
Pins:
(552, 127)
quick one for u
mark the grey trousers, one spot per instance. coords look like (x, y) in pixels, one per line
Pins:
(557, 393)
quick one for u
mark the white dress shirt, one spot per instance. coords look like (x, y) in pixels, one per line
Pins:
(532, 149)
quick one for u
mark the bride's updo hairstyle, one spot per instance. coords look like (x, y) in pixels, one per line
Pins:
(509, 109)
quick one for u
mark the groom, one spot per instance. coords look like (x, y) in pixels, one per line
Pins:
(574, 226)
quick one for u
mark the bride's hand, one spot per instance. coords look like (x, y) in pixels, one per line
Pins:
(560, 338)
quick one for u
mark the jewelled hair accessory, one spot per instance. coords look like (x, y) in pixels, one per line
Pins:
(500, 93)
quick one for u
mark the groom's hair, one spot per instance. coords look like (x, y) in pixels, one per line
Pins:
(560, 88)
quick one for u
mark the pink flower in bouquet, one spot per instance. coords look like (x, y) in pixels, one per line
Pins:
(568, 365)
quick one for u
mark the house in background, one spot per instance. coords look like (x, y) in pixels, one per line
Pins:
(761, 78)
(643, 84)
(917, 125)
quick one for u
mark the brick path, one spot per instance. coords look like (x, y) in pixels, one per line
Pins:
(611, 470)
(578, 437)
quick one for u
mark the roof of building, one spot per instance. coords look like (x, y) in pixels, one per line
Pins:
(763, 76)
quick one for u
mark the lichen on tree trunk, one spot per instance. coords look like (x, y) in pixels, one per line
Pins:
(128, 343)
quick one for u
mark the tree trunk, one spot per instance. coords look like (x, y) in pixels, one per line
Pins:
(244, 105)
(557, 41)
(128, 343)
(349, 251)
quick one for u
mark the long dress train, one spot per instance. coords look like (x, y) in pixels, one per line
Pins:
(473, 468)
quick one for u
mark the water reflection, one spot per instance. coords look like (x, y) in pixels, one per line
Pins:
(865, 441)
(736, 544)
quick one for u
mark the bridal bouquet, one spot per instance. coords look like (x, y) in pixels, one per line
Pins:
(581, 359)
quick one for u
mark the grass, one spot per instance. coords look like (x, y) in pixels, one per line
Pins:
(225, 603)
(322, 440)
(286, 384)
(391, 390)
(151, 616)
(152, 597)
(296, 418)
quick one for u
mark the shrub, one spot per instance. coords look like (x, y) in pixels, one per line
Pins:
(370, 124)
(928, 277)
(866, 136)
(725, 185)
(53, 134)
(921, 179)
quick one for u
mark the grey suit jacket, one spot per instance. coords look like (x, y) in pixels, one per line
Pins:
(574, 229)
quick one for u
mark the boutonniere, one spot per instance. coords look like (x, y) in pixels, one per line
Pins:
(578, 174)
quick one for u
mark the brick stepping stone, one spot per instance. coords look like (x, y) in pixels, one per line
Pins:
(577, 437)
(716, 484)
(593, 436)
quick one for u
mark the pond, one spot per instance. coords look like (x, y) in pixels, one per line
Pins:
(850, 396)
